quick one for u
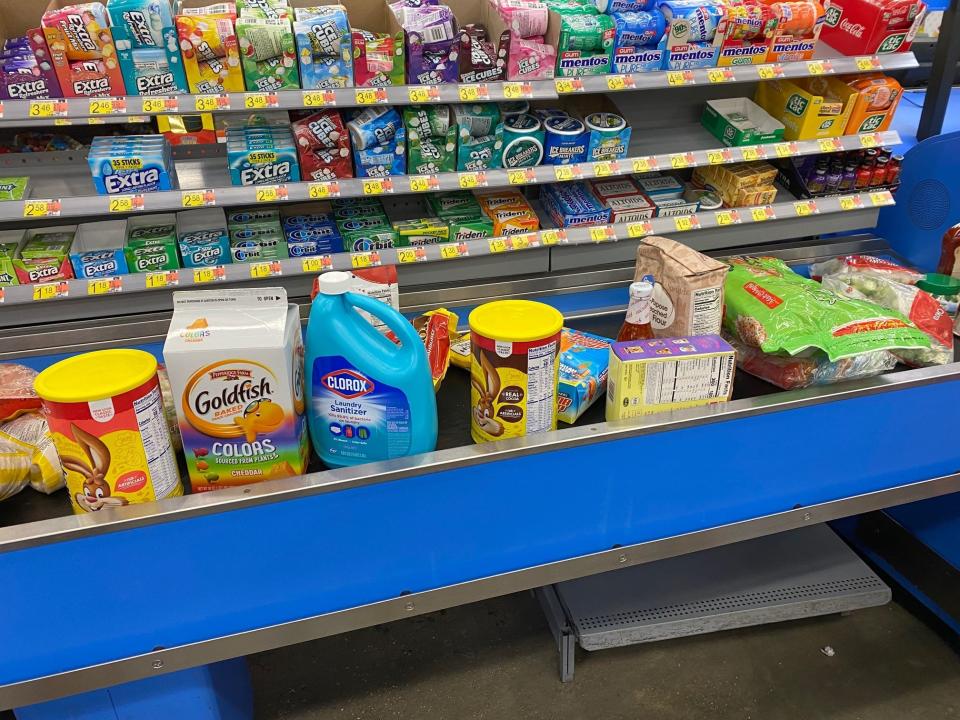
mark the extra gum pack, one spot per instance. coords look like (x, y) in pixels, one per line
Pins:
(82, 49)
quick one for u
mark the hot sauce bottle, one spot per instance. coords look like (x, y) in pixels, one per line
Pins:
(637, 325)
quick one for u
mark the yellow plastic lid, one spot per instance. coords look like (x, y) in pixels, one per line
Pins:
(516, 320)
(95, 375)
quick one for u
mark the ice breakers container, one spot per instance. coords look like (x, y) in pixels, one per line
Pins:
(369, 399)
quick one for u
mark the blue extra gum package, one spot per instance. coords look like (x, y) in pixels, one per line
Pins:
(203, 237)
(132, 164)
(262, 155)
(147, 47)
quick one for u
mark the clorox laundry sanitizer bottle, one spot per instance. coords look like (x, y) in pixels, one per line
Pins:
(369, 399)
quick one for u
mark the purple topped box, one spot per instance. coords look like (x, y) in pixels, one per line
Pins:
(671, 347)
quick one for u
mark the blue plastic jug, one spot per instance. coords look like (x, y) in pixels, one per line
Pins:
(368, 399)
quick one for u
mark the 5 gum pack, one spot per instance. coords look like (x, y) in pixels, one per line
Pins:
(132, 164)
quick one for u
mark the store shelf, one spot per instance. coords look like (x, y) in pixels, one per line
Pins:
(169, 280)
(826, 62)
(62, 188)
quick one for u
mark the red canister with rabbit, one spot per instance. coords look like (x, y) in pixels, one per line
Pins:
(515, 360)
(106, 417)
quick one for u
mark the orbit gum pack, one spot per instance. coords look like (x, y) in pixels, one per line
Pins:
(147, 47)
(208, 44)
(82, 50)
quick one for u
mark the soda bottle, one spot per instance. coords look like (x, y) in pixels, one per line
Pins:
(637, 326)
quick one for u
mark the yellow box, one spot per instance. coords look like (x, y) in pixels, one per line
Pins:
(809, 108)
(651, 376)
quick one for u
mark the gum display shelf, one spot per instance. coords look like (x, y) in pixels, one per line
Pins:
(814, 210)
(826, 62)
(62, 188)
(362, 546)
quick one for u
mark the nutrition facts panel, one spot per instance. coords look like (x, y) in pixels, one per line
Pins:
(689, 379)
(155, 436)
(541, 387)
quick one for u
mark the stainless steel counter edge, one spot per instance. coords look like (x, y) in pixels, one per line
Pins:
(36, 690)
(18, 537)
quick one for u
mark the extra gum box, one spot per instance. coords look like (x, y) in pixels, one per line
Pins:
(203, 237)
(98, 249)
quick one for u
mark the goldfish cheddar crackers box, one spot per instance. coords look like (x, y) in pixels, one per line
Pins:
(235, 361)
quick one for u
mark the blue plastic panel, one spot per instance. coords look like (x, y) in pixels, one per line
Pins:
(114, 595)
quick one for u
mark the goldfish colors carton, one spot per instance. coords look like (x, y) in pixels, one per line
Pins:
(235, 361)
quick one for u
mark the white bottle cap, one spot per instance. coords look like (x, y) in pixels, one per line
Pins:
(638, 289)
(335, 283)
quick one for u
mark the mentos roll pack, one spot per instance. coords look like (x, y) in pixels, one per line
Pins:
(324, 47)
(573, 205)
(82, 50)
(147, 47)
(379, 142)
(323, 146)
(203, 237)
(132, 164)
(97, 249)
(209, 47)
(310, 229)
(431, 139)
(262, 155)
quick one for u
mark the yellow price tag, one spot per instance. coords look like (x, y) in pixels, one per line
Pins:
(323, 190)
(676, 78)
(804, 208)
(881, 197)
(371, 96)
(42, 108)
(719, 75)
(211, 103)
(618, 82)
(564, 173)
(752, 154)
(316, 263)
(410, 255)
(259, 101)
(602, 234)
(684, 223)
(816, 67)
(361, 260)
(208, 274)
(830, 145)
(850, 202)
(449, 252)
(869, 141)
(104, 286)
(424, 183)
(125, 203)
(715, 157)
(553, 237)
(727, 217)
(499, 245)
(517, 90)
(377, 186)
(471, 180)
(41, 208)
(759, 214)
(271, 193)
(565, 86)
(197, 198)
(419, 94)
(49, 291)
(679, 161)
(865, 64)
(604, 168)
(783, 150)
(519, 177)
(262, 270)
(107, 106)
(162, 279)
(769, 72)
(154, 105)
(644, 164)
(314, 99)
(473, 93)
(639, 229)
(522, 242)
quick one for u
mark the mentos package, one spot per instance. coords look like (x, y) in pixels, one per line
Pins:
(573, 205)
(378, 58)
(637, 40)
(323, 146)
(26, 69)
(262, 155)
(147, 46)
(203, 237)
(584, 44)
(82, 50)
(132, 164)
(208, 44)
(691, 30)
(98, 249)
(267, 54)
(324, 46)
(584, 359)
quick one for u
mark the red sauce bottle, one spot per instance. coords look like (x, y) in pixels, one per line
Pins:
(637, 325)
(949, 260)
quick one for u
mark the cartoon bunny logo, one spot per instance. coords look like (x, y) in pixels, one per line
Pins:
(483, 411)
(96, 489)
